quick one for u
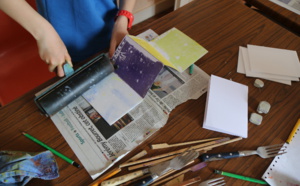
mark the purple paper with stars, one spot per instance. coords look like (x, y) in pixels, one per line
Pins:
(136, 66)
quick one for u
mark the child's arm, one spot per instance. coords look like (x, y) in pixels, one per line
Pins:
(51, 48)
(120, 27)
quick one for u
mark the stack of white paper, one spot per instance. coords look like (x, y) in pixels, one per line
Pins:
(226, 107)
(279, 65)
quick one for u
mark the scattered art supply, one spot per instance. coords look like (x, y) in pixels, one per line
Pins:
(241, 177)
(263, 151)
(155, 171)
(191, 69)
(244, 68)
(194, 168)
(189, 182)
(294, 131)
(284, 169)
(277, 61)
(201, 147)
(124, 89)
(213, 182)
(263, 107)
(165, 145)
(258, 83)
(136, 66)
(255, 118)
(112, 98)
(106, 176)
(226, 108)
(62, 93)
(175, 181)
(174, 49)
(52, 150)
(116, 170)
(278, 65)
(138, 155)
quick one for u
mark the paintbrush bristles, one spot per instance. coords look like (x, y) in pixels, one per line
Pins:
(165, 145)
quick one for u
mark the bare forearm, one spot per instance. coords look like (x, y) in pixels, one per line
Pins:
(127, 5)
(26, 16)
(51, 48)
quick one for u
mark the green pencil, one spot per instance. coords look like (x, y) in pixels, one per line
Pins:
(52, 150)
(241, 177)
(191, 69)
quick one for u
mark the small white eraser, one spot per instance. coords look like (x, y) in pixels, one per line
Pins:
(256, 118)
(258, 83)
(263, 107)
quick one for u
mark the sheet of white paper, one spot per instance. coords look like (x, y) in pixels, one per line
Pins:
(227, 107)
(249, 73)
(240, 65)
(274, 61)
(284, 169)
(112, 98)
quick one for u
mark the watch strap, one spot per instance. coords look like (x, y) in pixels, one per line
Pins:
(129, 16)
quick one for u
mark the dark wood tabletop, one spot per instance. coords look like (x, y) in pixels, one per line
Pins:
(221, 27)
(279, 14)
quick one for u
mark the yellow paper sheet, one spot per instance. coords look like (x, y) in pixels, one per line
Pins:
(152, 51)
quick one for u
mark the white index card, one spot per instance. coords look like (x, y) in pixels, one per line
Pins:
(227, 107)
(274, 61)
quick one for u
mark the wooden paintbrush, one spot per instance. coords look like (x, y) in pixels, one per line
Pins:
(116, 170)
(193, 169)
(165, 145)
(196, 147)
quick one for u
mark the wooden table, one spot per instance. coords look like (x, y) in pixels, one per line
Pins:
(281, 15)
(221, 27)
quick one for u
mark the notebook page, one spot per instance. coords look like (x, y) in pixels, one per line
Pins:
(284, 169)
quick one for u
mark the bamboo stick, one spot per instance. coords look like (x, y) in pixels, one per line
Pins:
(150, 163)
(208, 145)
(116, 170)
(166, 145)
(155, 182)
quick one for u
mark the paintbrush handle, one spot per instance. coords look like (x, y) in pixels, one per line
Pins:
(138, 156)
(144, 181)
(160, 180)
(165, 145)
(220, 156)
(205, 147)
(127, 177)
(105, 177)
(150, 163)
(166, 154)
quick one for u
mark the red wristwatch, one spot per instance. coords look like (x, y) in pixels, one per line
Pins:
(127, 14)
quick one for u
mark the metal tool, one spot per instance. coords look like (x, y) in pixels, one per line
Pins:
(155, 171)
(263, 152)
(213, 182)
(176, 164)
(194, 168)
(74, 84)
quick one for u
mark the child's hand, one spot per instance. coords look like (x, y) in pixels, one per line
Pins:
(53, 51)
(118, 33)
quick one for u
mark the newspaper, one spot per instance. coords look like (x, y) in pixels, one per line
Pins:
(292, 5)
(99, 145)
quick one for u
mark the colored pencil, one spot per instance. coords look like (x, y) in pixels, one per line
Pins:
(52, 150)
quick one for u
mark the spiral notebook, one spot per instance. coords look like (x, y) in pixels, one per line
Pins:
(284, 169)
